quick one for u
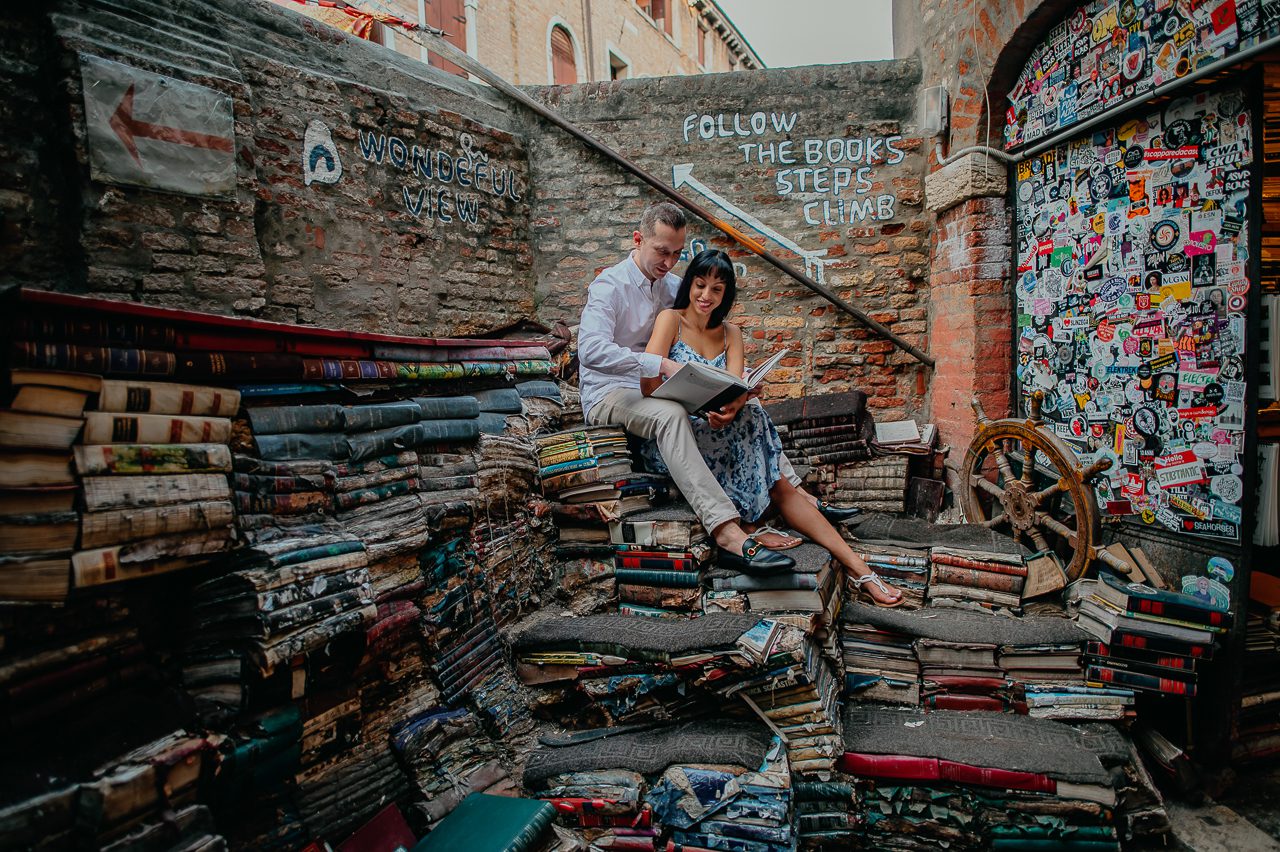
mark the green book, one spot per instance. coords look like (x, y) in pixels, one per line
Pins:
(491, 824)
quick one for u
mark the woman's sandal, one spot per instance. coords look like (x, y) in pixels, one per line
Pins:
(778, 540)
(874, 579)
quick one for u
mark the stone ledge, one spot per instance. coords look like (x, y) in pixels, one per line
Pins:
(974, 175)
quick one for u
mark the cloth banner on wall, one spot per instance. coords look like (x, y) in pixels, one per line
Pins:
(1141, 356)
(149, 130)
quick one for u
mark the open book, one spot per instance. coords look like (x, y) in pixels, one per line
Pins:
(701, 388)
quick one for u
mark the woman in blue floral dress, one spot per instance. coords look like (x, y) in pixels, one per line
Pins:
(739, 442)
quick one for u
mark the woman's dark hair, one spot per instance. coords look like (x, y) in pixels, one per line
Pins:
(710, 263)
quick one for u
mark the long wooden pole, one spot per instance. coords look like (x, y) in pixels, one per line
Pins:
(434, 42)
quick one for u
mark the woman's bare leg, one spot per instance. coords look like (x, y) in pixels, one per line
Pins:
(804, 517)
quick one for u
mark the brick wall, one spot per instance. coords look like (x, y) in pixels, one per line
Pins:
(876, 258)
(370, 251)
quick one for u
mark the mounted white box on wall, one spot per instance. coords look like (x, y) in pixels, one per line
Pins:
(935, 111)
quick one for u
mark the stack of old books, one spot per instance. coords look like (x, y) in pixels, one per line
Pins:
(579, 469)
(1259, 720)
(986, 578)
(828, 430)
(907, 569)
(286, 595)
(152, 459)
(879, 485)
(1148, 639)
(153, 462)
(967, 780)
(659, 558)
(449, 757)
(711, 784)
(880, 662)
(807, 596)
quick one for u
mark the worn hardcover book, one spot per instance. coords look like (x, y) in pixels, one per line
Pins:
(36, 577)
(280, 650)
(117, 526)
(1142, 600)
(365, 496)
(29, 469)
(103, 459)
(1012, 568)
(401, 459)
(365, 418)
(1139, 680)
(140, 559)
(662, 534)
(1101, 622)
(447, 407)
(86, 383)
(373, 479)
(282, 504)
(94, 328)
(948, 574)
(687, 599)
(746, 583)
(970, 593)
(38, 533)
(103, 360)
(25, 430)
(300, 445)
(673, 579)
(296, 467)
(167, 398)
(105, 427)
(254, 483)
(655, 563)
(282, 419)
(124, 492)
(1142, 655)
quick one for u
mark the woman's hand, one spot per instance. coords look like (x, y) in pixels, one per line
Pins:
(726, 414)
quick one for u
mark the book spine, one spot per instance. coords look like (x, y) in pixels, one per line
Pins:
(103, 427)
(106, 459)
(874, 483)
(980, 565)
(655, 564)
(447, 407)
(104, 330)
(167, 398)
(282, 504)
(1141, 655)
(374, 465)
(1128, 639)
(363, 418)
(744, 583)
(667, 598)
(1139, 680)
(281, 419)
(562, 468)
(564, 481)
(102, 360)
(1164, 609)
(365, 496)
(305, 612)
(299, 445)
(125, 492)
(943, 590)
(675, 579)
(117, 526)
(152, 556)
(978, 579)
(371, 480)
(249, 366)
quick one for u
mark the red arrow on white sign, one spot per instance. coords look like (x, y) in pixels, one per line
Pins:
(127, 127)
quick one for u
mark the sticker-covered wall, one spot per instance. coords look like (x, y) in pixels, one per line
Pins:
(1132, 289)
(1107, 52)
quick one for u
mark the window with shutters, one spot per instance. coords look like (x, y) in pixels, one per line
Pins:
(450, 16)
(702, 44)
(657, 10)
(564, 69)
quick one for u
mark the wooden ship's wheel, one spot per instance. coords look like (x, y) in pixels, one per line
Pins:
(1021, 478)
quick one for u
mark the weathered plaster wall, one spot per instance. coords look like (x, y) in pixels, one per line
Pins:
(753, 147)
(384, 248)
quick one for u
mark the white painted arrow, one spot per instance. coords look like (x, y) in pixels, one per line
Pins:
(682, 174)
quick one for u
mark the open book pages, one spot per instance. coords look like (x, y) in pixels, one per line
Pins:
(702, 387)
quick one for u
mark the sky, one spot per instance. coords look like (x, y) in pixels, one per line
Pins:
(814, 32)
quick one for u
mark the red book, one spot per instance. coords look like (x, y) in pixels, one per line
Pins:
(994, 567)
(644, 563)
(967, 684)
(966, 702)
(906, 768)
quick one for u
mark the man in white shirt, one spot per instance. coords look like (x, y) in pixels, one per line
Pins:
(622, 305)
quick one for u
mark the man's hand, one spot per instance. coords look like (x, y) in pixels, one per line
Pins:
(727, 413)
(668, 368)
(756, 392)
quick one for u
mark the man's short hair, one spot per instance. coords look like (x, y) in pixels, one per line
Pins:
(666, 213)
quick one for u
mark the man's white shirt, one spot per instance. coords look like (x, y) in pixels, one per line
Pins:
(617, 322)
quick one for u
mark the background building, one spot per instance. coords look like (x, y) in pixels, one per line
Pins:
(561, 42)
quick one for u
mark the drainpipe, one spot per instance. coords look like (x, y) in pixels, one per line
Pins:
(588, 41)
